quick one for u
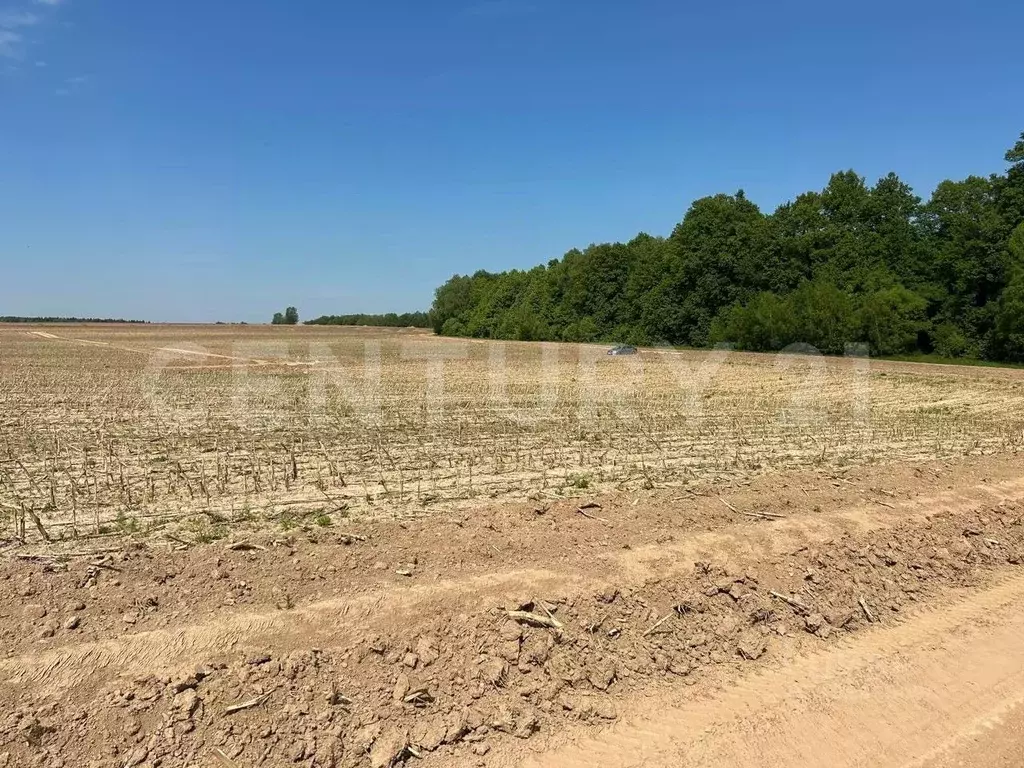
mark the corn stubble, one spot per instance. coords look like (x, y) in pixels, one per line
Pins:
(102, 434)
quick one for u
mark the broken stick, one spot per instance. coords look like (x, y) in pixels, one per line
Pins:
(243, 705)
(795, 604)
(867, 611)
(584, 512)
(535, 619)
(764, 515)
(245, 546)
(659, 623)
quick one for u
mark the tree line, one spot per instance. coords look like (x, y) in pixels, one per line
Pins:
(387, 320)
(852, 263)
(17, 319)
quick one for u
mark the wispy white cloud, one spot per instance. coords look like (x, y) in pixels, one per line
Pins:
(73, 84)
(12, 22)
(15, 19)
(11, 39)
(9, 43)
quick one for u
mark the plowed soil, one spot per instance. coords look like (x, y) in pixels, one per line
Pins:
(866, 617)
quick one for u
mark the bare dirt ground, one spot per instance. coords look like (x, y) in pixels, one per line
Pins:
(866, 617)
(747, 562)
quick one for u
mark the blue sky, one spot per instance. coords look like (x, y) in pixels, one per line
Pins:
(218, 160)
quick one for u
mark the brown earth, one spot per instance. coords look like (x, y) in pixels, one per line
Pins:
(842, 618)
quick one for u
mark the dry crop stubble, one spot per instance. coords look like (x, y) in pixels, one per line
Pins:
(190, 430)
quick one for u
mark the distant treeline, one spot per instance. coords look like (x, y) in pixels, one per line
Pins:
(852, 263)
(11, 319)
(389, 320)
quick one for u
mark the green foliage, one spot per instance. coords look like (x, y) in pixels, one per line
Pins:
(205, 529)
(1015, 154)
(892, 319)
(389, 320)
(852, 263)
(948, 340)
(1008, 334)
(764, 323)
(1015, 245)
(817, 313)
(578, 481)
(289, 317)
(127, 524)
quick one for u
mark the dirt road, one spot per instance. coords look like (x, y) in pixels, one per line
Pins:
(918, 694)
(870, 617)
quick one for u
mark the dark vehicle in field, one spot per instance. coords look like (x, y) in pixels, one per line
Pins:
(622, 349)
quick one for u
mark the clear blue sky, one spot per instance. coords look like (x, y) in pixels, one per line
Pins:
(219, 159)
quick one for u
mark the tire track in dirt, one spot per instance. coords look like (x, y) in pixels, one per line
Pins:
(785, 535)
(326, 622)
(889, 698)
(996, 742)
(172, 350)
(332, 622)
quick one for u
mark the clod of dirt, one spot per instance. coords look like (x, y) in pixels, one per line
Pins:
(430, 733)
(510, 637)
(187, 703)
(364, 738)
(602, 678)
(536, 648)
(495, 672)
(456, 726)
(402, 686)
(752, 645)
(426, 649)
(815, 624)
(389, 747)
(526, 725)
(138, 757)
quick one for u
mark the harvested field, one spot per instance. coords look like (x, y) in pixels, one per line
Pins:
(108, 430)
(749, 561)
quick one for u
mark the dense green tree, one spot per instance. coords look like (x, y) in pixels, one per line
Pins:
(1008, 334)
(278, 319)
(1010, 188)
(892, 319)
(291, 316)
(765, 323)
(849, 263)
(721, 255)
